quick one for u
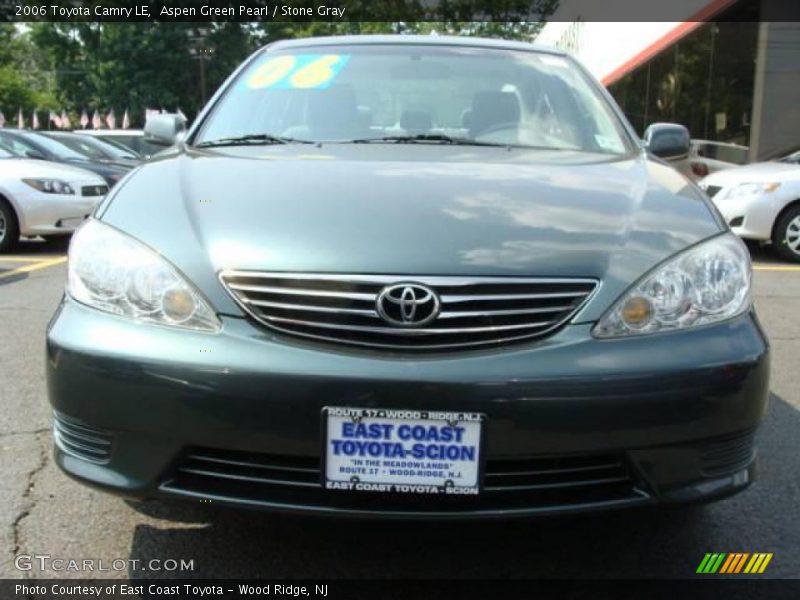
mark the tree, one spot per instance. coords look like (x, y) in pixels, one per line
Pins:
(23, 83)
(138, 65)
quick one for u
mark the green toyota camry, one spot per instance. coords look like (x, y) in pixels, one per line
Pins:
(419, 277)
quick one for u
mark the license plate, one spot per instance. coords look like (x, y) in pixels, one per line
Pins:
(402, 451)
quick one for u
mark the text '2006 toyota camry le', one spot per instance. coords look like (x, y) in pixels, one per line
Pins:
(408, 277)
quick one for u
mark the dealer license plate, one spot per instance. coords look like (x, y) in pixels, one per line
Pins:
(402, 451)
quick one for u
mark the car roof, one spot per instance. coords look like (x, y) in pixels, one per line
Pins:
(111, 132)
(411, 40)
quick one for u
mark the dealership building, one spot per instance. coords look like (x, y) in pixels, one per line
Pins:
(730, 71)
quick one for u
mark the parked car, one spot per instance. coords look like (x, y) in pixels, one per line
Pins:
(37, 145)
(43, 198)
(701, 158)
(97, 149)
(709, 156)
(507, 309)
(761, 202)
(132, 138)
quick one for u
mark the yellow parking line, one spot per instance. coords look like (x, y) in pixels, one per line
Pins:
(775, 268)
(18, 259)
(42, 264)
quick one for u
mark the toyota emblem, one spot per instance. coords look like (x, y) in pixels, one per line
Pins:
(408, 304)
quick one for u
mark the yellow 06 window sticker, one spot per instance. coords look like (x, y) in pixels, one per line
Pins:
(300, 71)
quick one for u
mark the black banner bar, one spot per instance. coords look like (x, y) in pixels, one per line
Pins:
(109, 589)
(446, 11)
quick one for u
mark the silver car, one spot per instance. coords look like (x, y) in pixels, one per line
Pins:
(38, 197)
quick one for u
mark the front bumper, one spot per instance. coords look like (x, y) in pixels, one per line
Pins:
(671, 416)
(750, 217)
(43, 214)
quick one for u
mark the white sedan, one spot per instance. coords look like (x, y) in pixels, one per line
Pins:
(43, 198)
(761, 202)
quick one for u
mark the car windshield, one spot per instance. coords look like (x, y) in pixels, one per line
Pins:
(415, 93)
(5, 153)
(56, 148)
(794, 158)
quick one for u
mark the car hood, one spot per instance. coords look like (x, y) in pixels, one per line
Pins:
(23, 167)
(754, 173)
(411, 210)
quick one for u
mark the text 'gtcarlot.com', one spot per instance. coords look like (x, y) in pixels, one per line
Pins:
(46, 562)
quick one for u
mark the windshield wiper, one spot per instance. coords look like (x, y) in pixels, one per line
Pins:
(255, 139)
(424, 137)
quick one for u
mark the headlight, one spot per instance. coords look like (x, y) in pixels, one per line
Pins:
(50, 186)
(705, 284)
(113, 272)
(752, 189)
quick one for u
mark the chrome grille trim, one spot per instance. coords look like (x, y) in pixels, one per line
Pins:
(503, 297)
(497, 313)
(328, 309)
(301, 292)
(407, 331)
(475, 311)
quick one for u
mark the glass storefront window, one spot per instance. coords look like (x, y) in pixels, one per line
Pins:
(704, 81)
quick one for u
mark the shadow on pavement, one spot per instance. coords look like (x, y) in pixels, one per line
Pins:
(34, 247)
(667, 542)
(765, 255)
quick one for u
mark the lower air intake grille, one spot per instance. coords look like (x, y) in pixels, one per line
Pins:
(94, 190)
(83, 441)
(728, 454)
(544, 483)
(408, 312)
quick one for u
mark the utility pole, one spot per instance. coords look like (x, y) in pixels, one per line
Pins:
(200, 51)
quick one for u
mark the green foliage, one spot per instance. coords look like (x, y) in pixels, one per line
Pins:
(23, 82)
(135, 66)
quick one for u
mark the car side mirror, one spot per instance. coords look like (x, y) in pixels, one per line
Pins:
(164, 129)
(34, 154)
(669, 141)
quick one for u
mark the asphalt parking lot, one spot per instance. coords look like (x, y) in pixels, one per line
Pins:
(43, 512)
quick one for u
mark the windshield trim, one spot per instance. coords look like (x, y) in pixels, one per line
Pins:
(622, 126)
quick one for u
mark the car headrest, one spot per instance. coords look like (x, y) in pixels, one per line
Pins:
(492, 108)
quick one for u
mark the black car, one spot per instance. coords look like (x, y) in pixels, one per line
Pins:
(102, 151)
(37, 145)
(420, 277)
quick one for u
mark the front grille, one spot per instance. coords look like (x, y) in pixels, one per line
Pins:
(83, 441)
(531, 484)
(712, 190)
(727, 454)
(94, 190)
(473, 311)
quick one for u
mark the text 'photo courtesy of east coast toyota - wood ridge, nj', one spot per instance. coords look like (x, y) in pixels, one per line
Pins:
(400, 299)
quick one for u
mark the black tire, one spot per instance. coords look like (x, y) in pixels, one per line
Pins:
(787, 230)
(9, 227)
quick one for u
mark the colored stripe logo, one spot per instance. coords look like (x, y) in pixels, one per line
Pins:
(734, 562)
